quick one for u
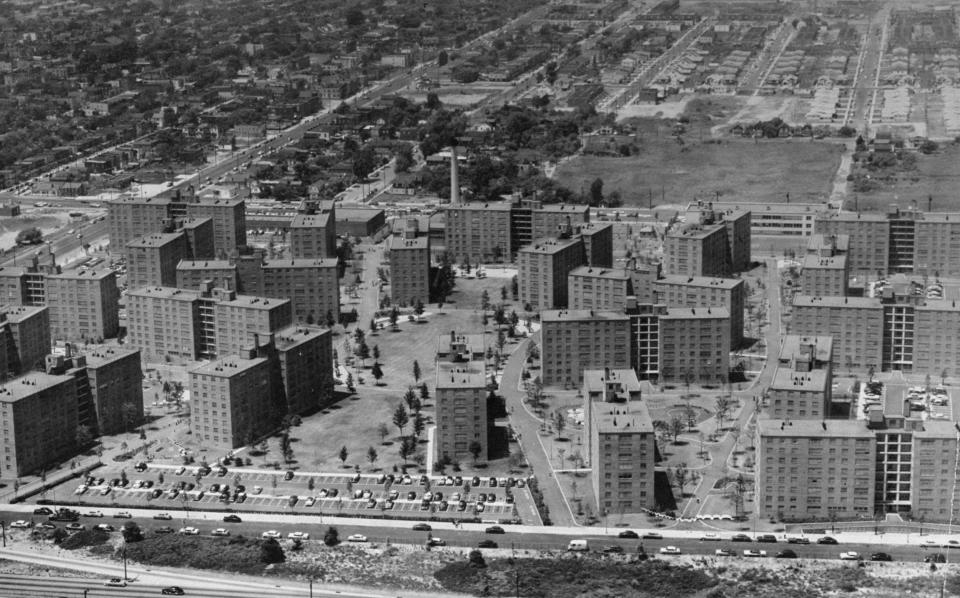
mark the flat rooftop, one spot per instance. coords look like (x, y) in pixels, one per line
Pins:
(194, 222)
(310, 220)
(816, 262)
(695, 231)
(301, 263)
(820, 242)
(155, 240)
(843, 428)
(205, 265)
(836, 301)
(757, 208)
(468, 374)
(570, 315)
(631, 417)
(165, 293)
(596, 380)
(29, 385)
(693, 313)
(106, 356)
(357, 213)
(564, 208)
(253, 302)
(18, 313)
(81, 273)
(786, 378)
(699, 281)
(294, 336)
(605, 273)
(792, 345)
(399, 244)
(498, 206)
(549, 246)
(136, 200)
(853, 216)
(473, 342)
(228, 367)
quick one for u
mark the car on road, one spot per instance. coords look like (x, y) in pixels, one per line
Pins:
(46, 525)
(613, 550)
(115, 582)
(494, 529)
(723, 552)
(104, 527)
(881, 556)
(232, 519)
(123, 515)
(309, 502)
(754, 553)
(43, 511)
(422, 527)
(436, 542)
(741, 538)
(220, 532)
(670, 550)
(711, 537)
(798, 540)
(93, 514)
(769, 538)
(630, 534)
(786, 554)
(653, 536)
(76, 527)
(486, 544)
(298, 536)
(163, 516)
(356, 538)
(165, 529)
(180, 470)
(271, 534)
(172, 591)
(827, 540)
(105, 491)
(189, 531)
(20, 524)
(850, 556)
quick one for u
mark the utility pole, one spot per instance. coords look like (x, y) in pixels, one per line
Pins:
(3, 532)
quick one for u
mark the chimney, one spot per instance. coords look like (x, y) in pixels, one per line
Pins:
(454, 176)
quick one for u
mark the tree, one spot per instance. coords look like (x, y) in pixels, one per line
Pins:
(371, 455)
(84, 436)
(403, 159)
(677, 426)
(350, 386)
(383, 430)
(407, 448)
(373, 325)
(424, 392)
(476, 559)
(681, 477)
(271, 551)
(358, 336)
(377, 372)
(559, 421)
(29, 236)
(475, 449)
(131, 532)
(503, 293)
(722, 407)
(418, 424)
(416, 371)
(410, 398)
(418, 308)
(596, 192)
(400, 418)
(343, 454)
(363, 352)
(376, 354)
(394, 316)
(331, 537)
(485, 301)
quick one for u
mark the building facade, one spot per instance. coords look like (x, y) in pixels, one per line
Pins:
(461, 390)
(694, 343)
(578, 340)
(698, 291)
(543, 267)
(409, 270)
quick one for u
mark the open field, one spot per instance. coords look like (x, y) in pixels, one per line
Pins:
(936, 176)
(734, 169)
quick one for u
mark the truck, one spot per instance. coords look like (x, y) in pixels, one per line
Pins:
(578, 546)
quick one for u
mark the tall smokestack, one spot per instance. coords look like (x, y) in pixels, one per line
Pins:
(454, 176)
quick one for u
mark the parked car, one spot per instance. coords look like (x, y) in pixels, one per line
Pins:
(881, 556)
(163, 516)
(232, 519)
(669, 550)
(754, 553)
(827, 540)
(798, 540)
(172, 591)
(422, 527)
(220, 532)
(356, 538)
(850, 556)
(495, 529)
(723, 552)
(628, 534)
(271, 534)
(653, 536)
(115, 582)
(741, 538)
(486, 544)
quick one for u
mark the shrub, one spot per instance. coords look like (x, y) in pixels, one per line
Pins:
(85, 538)
(271, 552)
(332, 537)
(476, 560)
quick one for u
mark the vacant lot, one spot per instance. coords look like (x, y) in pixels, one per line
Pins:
(936, 176)
(666, 171)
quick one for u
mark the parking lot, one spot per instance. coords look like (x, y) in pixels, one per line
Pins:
(240, 489)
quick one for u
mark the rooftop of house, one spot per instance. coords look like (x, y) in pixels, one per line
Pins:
(622, 418)
(26, 386)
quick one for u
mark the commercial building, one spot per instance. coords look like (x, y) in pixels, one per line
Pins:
(232, 400)
(578, 340)
(772, 219)
(409, 270)
(38, 414)
(206, 323)
(694, 343)
(461, 390)
(359, 221)
(803, 381)
(622, 450)
(708, 244)
(699, 291)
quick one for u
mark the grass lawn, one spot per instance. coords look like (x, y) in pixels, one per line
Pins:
(936, 176)
(737, 169)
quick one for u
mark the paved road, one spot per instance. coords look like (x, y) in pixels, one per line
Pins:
(866, 86)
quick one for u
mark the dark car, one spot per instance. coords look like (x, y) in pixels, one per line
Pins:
(798, 540)
(43, 511)
(172, 591)
(769, 538)
(613, 550)
(628, 534)
(935, 558)
(653, 536)
(495, 529)
(232, 519)
(827, 540)
(881, 556)
(486, 544)
(422, 527)
(163, 530)
(141, 466)
(288, 475)
(411, 495)
(786, 554)
(741, 538)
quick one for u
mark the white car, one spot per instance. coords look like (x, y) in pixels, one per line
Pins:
(710, 538)
(669, 550)
(220, 532)
(123, 515)
(298, 536)
(755, 553)
(189, 531)
(850, 556)
(20, 524)
(180, 470)
(271, 534)
(80, 489)
(116, 582)
(94, 514)
(310, 501)
(357, 538)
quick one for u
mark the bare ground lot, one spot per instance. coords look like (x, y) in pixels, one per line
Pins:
(733, 169)
(936, 176)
